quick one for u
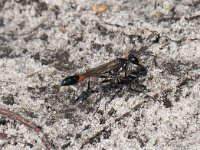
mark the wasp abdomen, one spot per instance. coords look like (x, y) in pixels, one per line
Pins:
(71, 80)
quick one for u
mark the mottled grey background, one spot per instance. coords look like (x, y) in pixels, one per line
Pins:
(43, 41)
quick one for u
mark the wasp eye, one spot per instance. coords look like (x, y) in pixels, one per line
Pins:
(70, 80)
(133, 59)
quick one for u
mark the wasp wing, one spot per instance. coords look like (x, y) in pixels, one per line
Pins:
(107, 67)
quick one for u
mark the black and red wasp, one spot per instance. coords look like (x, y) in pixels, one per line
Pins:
(116, 72)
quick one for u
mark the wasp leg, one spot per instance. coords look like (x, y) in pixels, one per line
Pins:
(138, 87)
(126, 69)
(140, 72)
(132, 82)
(116, 93)
(106, 81)
(85, 94)
(101, 92)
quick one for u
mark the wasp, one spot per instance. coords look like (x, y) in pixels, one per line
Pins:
(112, 67)
(117, 70)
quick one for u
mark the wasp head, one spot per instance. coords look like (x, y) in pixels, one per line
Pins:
(133, 59)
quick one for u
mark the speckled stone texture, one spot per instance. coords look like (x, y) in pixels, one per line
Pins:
(43, 41)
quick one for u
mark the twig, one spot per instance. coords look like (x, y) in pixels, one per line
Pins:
(94, 137)
(15, 116)
(192, 17)
(135, 108)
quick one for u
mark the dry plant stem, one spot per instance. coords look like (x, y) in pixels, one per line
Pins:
(15, 116)
(91, 139)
